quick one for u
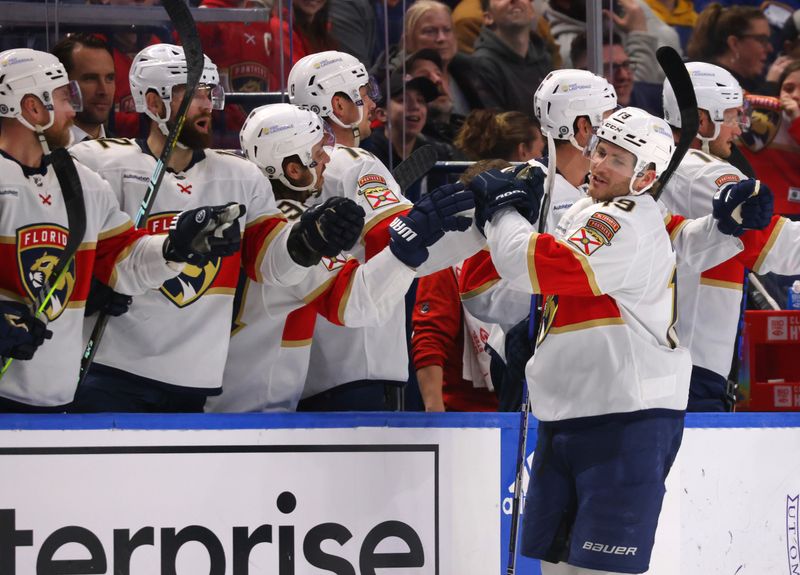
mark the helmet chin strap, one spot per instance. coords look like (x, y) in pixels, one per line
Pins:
(707, 141)
(310, 187)
(354, 126)
(575, 143)
(39, 130)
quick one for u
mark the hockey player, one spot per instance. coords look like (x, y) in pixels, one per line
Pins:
(35, 113)
(709, 303)
(608, 383)
(193, 311)
(336, 86)
(271, 342)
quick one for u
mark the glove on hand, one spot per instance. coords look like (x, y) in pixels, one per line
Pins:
(325, 230)
(203, 234)
(743, 205)
(433, 215)
(104, 299)
(522, 188)
(20, 333)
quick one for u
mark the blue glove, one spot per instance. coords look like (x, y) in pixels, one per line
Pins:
(20, 333)
(325, 230)
(200, 235)
(738, 207)
(522, 188)
(433, 215)
(103, 298)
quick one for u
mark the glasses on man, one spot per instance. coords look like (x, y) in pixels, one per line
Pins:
(611, 68)
(762, 39)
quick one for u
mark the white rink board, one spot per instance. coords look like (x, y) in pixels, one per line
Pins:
(424, 480)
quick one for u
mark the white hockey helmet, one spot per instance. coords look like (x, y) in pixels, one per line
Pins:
(272, 133)
(716, 90)
(565, 95)
(24, 71)
(161, 67)
(315, 78)
(647, 137)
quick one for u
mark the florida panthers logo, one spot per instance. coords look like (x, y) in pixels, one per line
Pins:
(193, 281)
(39, 248)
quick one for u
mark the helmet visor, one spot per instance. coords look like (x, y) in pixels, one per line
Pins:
(75, 96)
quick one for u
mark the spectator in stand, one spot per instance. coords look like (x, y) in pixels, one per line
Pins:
(468, 21)
(360, 26)
(510, 58)
(311, 32)
(637, 24)
(447, 344)
(776, 158)
(512, 136)
(620, 68)
(737, 39)
(403, 117)
(442, 123)
(241, 51)
(680, 14)
(429, 24)
(90, 62)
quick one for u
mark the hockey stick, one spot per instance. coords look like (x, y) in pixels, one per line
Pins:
(534, 323)
(72, 191)
(419, 163)
(181, 18)
(681, 83)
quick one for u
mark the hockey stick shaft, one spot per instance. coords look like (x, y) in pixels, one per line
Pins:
(184, 24)
(71, 189)
(681, 84)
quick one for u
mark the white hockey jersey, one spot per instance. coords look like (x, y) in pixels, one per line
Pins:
(709, 302)
(33, 233)
(342, 354)
(608, 344)
(180, 333)
(271, 339)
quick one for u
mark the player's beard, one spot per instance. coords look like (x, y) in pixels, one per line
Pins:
(57, 136)
(191, 137)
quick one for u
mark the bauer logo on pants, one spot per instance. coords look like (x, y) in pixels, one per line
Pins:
(39, 248)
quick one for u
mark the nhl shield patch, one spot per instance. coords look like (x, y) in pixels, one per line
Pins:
(39, 247)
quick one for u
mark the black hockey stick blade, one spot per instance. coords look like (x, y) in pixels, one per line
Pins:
(72, 191)
(419, 163)
(681, 84)
(182, 19)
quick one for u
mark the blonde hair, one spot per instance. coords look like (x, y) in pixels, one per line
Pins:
(413, 15)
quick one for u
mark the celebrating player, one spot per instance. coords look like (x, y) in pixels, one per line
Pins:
(336, 86)
(709, 303)
(608, 382)
(168, 352)
(36, 111)
(273, 328)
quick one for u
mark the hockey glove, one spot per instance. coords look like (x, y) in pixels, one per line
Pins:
(436, 213)
(325, 230)
(738, 207)
(104, 299)
(495, 190)
(203, 234)
(20, 333)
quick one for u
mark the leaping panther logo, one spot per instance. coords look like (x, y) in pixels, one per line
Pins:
(39, 248)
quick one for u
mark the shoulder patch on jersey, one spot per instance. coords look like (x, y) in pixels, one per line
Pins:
(376, 191)
(726, 179)
(371, 179)
(586, 240)
(39, 248)
(334, 263)
(604, 225)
